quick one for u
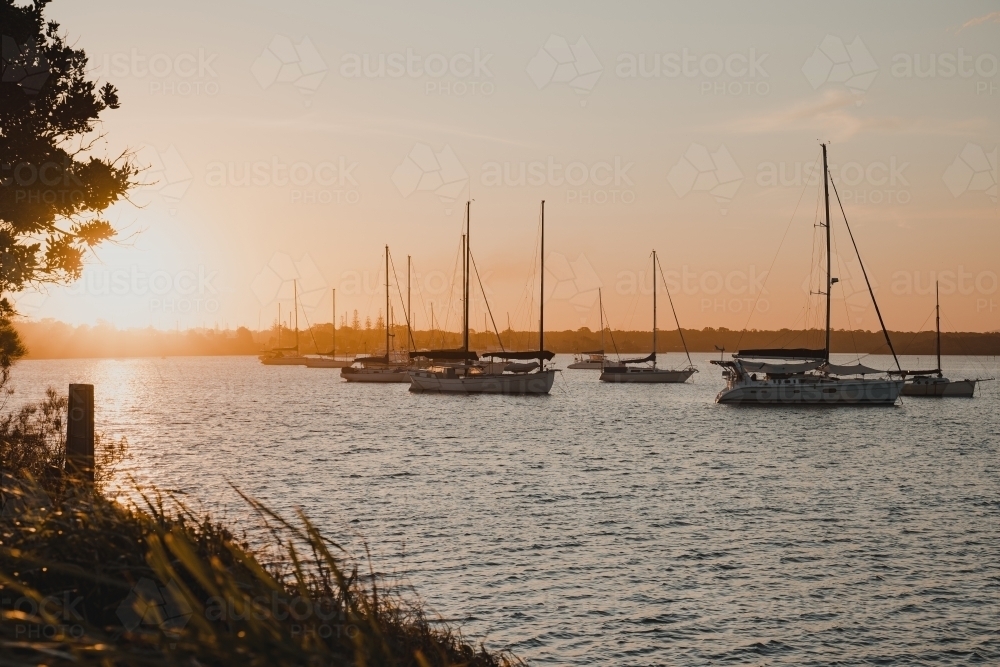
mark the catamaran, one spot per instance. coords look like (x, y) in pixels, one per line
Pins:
(589, 360)
(387, 368)
(510, 373)
(806, 376)
(630, 370)
(932, 382)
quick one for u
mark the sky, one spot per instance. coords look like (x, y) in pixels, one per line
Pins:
(286, 144)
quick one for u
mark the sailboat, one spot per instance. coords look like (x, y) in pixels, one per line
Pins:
(933, 383)
(280, 356)
(593, 360)
(629, 370)
(806, 376)
(523, 372)
(388, 368)
(329, 359)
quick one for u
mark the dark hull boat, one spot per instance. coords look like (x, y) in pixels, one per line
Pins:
(630, 370)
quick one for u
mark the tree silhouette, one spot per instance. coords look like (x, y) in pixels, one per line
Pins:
(53, 189)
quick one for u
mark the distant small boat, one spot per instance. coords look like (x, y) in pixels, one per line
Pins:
(286, 356)
(326, 362)
(628, 370)
(384, 369)
(932, 383)
(329, 359)
(276, 358)
(588, 360)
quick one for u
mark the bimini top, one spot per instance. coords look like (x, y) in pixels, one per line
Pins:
(782, 353)
(538, 354)
(446, 355)
(779, 369)
(855, 369)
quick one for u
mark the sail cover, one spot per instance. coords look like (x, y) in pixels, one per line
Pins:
(779, 369)
(372, 360)
(651, 357)
(446, 355)
(854, 369)
(783, 353)
(522, 356)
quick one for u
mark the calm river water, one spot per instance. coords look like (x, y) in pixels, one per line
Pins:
(629, 525)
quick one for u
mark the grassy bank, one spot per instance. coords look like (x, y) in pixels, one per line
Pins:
(85, 580)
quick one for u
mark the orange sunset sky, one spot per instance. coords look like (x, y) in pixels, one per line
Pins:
(292, 144)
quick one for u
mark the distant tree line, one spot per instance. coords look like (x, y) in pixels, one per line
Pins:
(50, 339)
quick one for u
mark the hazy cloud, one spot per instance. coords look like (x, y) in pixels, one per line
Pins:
(992, 17)
(835, 116)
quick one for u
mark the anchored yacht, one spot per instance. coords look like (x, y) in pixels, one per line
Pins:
(509, 373)
(806, 376)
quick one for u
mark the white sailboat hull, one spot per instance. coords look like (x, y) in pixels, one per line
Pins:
(643, 375)
(821, 392)
(509, 383)
(320, 362)
(940, 387)
(284, 361)
(384, 375)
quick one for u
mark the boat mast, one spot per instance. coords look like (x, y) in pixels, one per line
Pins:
(387, 303)
(295, 296)
(600, 306)
(829, 279)
(541, 296)
(937, 318)
(465, 287)
(333, 345)
(409, 313)
(654, 310)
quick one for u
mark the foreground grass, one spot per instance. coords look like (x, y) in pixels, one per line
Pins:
(85, 580)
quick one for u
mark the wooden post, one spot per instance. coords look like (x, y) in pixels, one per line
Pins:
(80, 432)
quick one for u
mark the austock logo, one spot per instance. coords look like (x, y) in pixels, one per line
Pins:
(985, 66)
(456, 74)
(184, 291)
(167, 174)
(974, 170)
(733, 74)
(424, 170)
(833, 61)
(850, 287)
(876, 182)
(574, 282)
(282, 276)
(601, 182)
(22, 65)
(153, 605)
(183, 74)
(702, 171)
(733, 292)
(283, 61)
(327, 182)
(558, 62)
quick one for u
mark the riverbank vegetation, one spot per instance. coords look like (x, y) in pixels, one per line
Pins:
(50, 339)
(89, 580)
